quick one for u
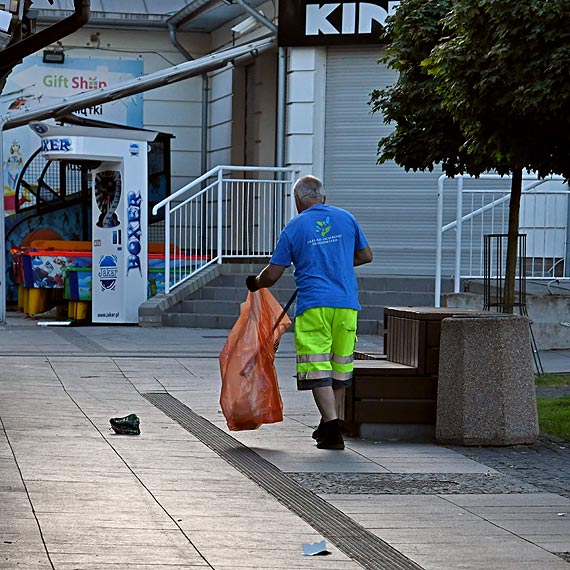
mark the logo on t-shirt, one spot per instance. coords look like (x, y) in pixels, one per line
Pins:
(323, 228)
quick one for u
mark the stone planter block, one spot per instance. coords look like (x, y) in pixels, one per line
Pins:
(486, 393)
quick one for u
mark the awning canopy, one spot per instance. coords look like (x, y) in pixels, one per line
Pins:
(188, 16)
(106, 13)
(208, 15)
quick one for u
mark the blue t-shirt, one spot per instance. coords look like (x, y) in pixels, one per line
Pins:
(320, 242)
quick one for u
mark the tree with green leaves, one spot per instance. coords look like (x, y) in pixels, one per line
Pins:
(483, 85)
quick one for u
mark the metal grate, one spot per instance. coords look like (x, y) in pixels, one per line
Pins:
(365, 548)
(495, 258)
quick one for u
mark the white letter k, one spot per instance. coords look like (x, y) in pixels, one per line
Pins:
(317, 19)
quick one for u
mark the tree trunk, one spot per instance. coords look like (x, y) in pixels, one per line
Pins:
(512, 241)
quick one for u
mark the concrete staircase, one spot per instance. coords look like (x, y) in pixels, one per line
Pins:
(216, 304)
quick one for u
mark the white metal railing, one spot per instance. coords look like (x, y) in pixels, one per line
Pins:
(544, 218)
(228, 212)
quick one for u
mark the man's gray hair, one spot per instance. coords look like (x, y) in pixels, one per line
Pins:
(309, 187)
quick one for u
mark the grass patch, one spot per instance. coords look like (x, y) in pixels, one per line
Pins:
(554, 416)
(552, 379)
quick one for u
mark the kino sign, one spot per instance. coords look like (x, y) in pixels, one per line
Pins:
(307, 23)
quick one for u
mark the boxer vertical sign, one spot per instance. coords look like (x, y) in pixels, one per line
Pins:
(309, 23)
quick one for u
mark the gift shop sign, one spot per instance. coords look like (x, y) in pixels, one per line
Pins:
(34, 83)
(309, 23)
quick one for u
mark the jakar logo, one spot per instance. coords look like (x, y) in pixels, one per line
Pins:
(317, 19)
(324, 228)
(108, 271)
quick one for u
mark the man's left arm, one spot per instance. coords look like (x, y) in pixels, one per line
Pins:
(362, 256)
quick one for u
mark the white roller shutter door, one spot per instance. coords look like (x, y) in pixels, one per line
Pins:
(396, 209)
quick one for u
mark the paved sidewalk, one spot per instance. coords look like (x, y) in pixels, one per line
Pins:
(187, 493)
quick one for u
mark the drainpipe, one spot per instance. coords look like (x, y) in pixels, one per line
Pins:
(31, 44)
(172, 30)
(281, 83)
(281, 90)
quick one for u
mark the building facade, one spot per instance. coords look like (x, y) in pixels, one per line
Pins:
(304, 103)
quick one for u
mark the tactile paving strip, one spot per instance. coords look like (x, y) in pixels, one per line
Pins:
(365, 548)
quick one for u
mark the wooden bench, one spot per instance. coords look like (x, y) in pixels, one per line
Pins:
(394, 395)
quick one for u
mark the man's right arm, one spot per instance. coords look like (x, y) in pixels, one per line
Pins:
(266, 278)
(270, 275)
(362, 256)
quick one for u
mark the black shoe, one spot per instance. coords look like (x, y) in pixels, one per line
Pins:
(128, 425)
(330, 436)
(317, 433)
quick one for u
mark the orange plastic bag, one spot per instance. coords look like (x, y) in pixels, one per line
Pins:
(250, 393)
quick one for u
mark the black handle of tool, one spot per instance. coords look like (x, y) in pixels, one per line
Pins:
(287, 307)
(246, 370)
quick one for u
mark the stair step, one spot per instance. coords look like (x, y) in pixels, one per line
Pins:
(369, 326)
(372, 312)
(239, 294)
(395, 298)
(192, 320)
(237, 280)
(407, 284)
(209, 307)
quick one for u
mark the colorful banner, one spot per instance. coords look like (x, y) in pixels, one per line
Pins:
(34, 83)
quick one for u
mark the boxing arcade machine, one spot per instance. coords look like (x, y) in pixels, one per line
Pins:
(120, 211)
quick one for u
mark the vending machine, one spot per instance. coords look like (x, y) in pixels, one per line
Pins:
(120, 211)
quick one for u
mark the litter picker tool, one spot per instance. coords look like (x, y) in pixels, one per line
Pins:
(286, 308)
(246, 370)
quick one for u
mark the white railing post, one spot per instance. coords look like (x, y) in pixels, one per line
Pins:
(220, 212)
(439, 240)
(458, 228)
(167, 248)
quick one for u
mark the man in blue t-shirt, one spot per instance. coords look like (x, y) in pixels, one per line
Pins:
(324, 244)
